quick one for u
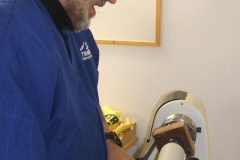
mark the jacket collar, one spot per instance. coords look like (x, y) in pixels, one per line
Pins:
(58, 14)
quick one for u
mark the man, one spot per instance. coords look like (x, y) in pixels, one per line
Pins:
(49, 107)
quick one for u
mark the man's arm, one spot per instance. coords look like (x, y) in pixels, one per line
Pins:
(114, 151)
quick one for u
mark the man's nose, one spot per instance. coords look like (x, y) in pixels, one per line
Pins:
(112, 1)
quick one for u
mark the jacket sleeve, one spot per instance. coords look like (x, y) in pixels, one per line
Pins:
(23, 82)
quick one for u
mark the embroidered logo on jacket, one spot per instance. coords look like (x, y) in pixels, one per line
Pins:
(85, 51)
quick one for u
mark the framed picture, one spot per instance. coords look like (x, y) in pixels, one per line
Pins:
(128, 22)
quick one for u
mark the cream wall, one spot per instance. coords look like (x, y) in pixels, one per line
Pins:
(199, 53)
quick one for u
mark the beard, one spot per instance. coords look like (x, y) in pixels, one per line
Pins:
(83, 22)
(78, 13)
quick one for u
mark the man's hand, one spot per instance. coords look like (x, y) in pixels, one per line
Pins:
(117, 153)
(114, 151)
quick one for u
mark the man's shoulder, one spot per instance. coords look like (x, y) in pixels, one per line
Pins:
(6, 12)
(22, 17)
(26, 29)
(15, 11)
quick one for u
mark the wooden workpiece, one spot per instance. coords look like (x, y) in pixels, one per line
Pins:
(178, 131)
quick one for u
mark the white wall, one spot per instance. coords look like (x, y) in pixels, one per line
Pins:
(199, 53)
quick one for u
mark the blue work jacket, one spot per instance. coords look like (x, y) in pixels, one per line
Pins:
(49, 107)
